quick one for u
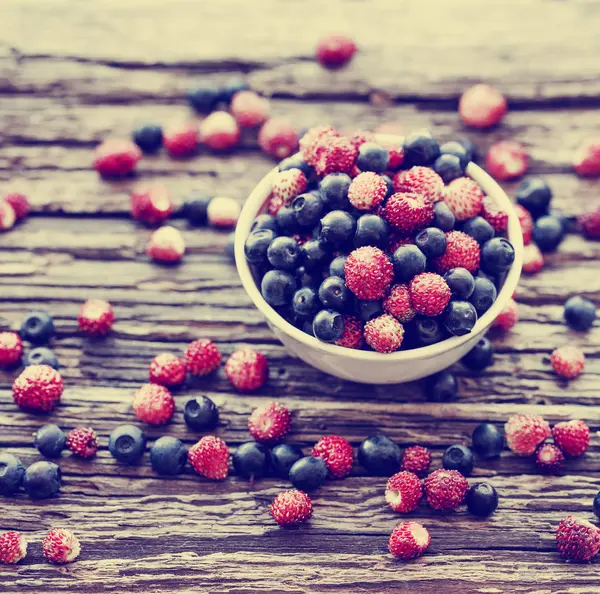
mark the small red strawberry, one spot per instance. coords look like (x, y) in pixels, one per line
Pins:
(8, 216)
(210, 458)
(13, 547)
(464, 196)
(353, 335)
(337, 454)
(278, 138)
(408, 212)
(494, 215)
(219, 131)
(508, 317)
(39, 387)
(549, 458)
(589, 223)
(223, 212)
(270, 423)
(151, 204)
(61, 546)
(577, 540)
(568, 361)
(291, 508)
(524, 433)
(482, 106)
(506, 160)
(533, 259)
(335, 51)
(462, 251)
(422, 181)
(96, 317)
(384, 334)
(395, 151)
(249, 109)
(20, 204)
(416, 459)
(167, 370)
(153, 404)
(311, 142)
(202, 357)
(526, 223)
(429, 293)
(404, 492)
(287, 185)
(408, 540)
(572, 437)
(445, 490)
(181, 139)
(399, 304)
(166, 245)
(335, 154)
(247, 370)
(11, 349)
(586, 161)
(368, 272)
(116, 157)
(82, 441)
(367, 191)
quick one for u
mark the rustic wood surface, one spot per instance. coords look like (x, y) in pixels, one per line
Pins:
(72, 73)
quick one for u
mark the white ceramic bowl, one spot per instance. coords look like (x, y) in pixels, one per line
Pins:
(366, 366)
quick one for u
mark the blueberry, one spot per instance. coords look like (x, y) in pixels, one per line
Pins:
(168, 455)
(286, 219)
(390, 185)
(277, 287)
(127, 444)
(368, 310)
(461, 282)
(334, 294)
(42, 356)
(195, 207)
(308, 473)
(442, 386)
(497, 255)
(548, 232)
(308, 278)
(313, 254)
(283, 253)
(37, 327)
(443, 217)
(448, 167)
(580, 313)
(379, 456)
(482, 499)
(596, 505)
(479, 229)
(372, 157)
(408, 261)
(456, 149)
(264, 221)
(431, 241)
(336, 266)
(306, 302)
(42, 480)
(460, 317)
(459, 457)
(487, 441)
(11, 474)
(149, 138)
(229, 249)
(484, 294)
(201, 413)
(371, 230)
(308, 209)
(337, 228)
(420, 148)
(297, 162)
(428, 330)
(257, 245)
(231, 87)
(251, 460)
(50, 440)
(470, 147)
(535, 195)
(328, 325)
(480, 356)
(282, 457)
(334, 190)
(203, 99)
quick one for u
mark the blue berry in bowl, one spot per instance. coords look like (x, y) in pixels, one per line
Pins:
(195, 209)
(371, 230)
(308, 473)
(480, 356)
(548, 233)
(497, 255)
(336, 266)
(204, 99)
(487, 441)
(459, 317)
(456, 149)
(337, 228)
(479, 229)
(482, 499)
(305, 302)
(149, 138)
(11, 474)
(264, 221)
(42, 356)
(334, 294)
(442, 386)
(50, 440)
(334, 190)
(277, 287)
(42, 480)
(408, 261)
(535, 195)
(286, 219)
(470, 147)
(308, 209)
(368, 310)
(461, 282)
(579, 313)
(314, 254)
(420, 148)
(428, 330)
(168, 455)
(431, 241)
(443, 217)
(372, 157)
(484, 294)
(308, 278)
(37, 327)
(251, 460)
(257, 245)
(459, 457)
(282, 457)
(328, 325)
(201, 413)
(379, 456)
(297, 162)
(448, 167)
(127, 444)
(283, 253)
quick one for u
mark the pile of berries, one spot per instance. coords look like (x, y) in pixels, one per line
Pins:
(59, 546)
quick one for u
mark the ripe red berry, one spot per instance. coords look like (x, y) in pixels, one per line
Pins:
(61, 546)
(533, 259)
(291, 508)
(335, 51)
(249, 109)
(353, 335)
(153, 404)
(337, 454)
(202, 357)
(96, 317)
(219, 131)
(167, 370)
(384, 334)
(508, 317)
(311, 142)
(429, 293)
(416, 459)
(116, 157)
(335, 154)
(524, 433)
(38, 387)
(462, 251)
(526, 223)
(572, 437)
(210, 458)
(368, 272)
(404, 492)
(464, 196)
(568, 361)
(589, 223)
(445, 490)
(506, 160)
(586, 161)
(494, 215)
(13, 547)
(11, 348)
(482, 106)
(166, 245)
(82, 441)
(286, 186)
(399, 304)
(247, 370)
(549, 458)
(367, 191)
(151, 204)
(223, 212)
(7, 216)
(181, 139)
(408, 540)
(270, 423)
(20, 204)
(278, 138)
(577, 540)
(395, 151)
(422, 181)
(408, 212)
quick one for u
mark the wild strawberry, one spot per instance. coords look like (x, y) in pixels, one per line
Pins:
(353, 336)
(310, 143)
(336, 154)
(82, 441)
(462, 251)
(549, 458)
(337, 454)
(96, 317)
(151, 204)
(202, 357)
(422, 181)
(589, 223)
(11, 348)
(167, 370)
(287, 185)
(508, 317)
(408, 212)
(13, 547)
(494, 215)
(39, 387)
(291, 508)
(445, 490)
(404, 492)
(395, 151)
(247, 370)
(19, 203)
(359, 137)
(335, 51)
(181, 139)
(210, 458)
(368, 272)
(526, 223)
(278, 138)
(533, 260)
(408, 540)
(568, 361)
(153, 404)
(249, 109)
(399, 304)
(219, 131)
(506, 160)
(429, 293)
(482, 106)
(367, 191)
(577, 540)
(116, 157)
(270, 423)
(223, 212)
(524, 433)
(587, 158)
(7, 216)
(384, 334)
(166, 245)
(416, 459)
(464, 196)
(572, 437)
(61, 546)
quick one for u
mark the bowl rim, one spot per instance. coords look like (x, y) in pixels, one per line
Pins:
(255, 203)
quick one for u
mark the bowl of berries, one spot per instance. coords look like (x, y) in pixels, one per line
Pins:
(376, 258)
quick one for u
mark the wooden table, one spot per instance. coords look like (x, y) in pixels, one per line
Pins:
(73, 73)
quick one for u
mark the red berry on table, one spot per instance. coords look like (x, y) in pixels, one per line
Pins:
(568, 361)
(96, 317)
(310, 143)
(223, 212)
(247, 370)
(116, 157)
(167, 370)
(82, 441)
(353, 335)
(462, 251)
(13, 547)
(589, 223)
(335, 154)
(8, 216)
(423, 181)
(494, 215)
(335, 51)
(61, 546)
(395, 151)
(526, 222)
(219, 131)
(416, 459)
(153, 404)
(404, 492)
(210, 458)
(270, 423)
(20, 204)
(430, 293)
(151, 204)
(445, 490)
(249, 109)
(368, 273)
(482, 106)
(287, 185)
(508, 317)
(549, 458)
(408, 212)
(577, 540)
(587, 158)
(572, 437)
(524, 433)
(337, 454)
(38, 387)
(533, 259)
(291, 508)
(506, 160)
(399, 304)
(181, 139)
(278, 138)
(11, 348)
(367, 191)
(166, 245)
(202, 357)
(384, 334)
(464, 196)
(408, 540)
